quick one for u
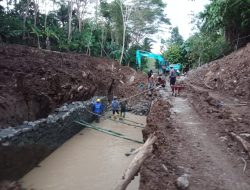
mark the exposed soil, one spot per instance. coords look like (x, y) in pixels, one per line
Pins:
(229, 75)
(193, 130)
(34, 82)
(153, 174)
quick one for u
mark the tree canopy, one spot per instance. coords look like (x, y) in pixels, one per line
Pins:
(116, 28)
(97, 28)
(222, 27)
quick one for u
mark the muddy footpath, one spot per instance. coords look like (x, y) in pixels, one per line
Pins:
(200, 132)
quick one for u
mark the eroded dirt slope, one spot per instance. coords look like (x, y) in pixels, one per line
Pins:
(229, 75)
(33, 82)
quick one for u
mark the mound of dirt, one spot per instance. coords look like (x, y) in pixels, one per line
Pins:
(230, 75)
(34, 82)
(157, 172)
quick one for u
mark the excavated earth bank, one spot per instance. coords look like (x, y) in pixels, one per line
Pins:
(153, 173)
(229, 75)
(34, 82)
(220, 92)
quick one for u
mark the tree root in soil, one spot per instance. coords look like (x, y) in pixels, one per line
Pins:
(244, 143)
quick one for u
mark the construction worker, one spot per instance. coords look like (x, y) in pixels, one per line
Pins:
(172, 77)
(115, 106)
(160, 81)
(164, 71)
(97, 109)
(150, 73)
(150, 85)
(123, 105)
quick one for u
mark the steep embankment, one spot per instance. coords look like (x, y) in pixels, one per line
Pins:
(220, 92)
(229, 75)
(34, 82)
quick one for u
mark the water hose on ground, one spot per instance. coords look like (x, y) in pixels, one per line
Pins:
(107, 131)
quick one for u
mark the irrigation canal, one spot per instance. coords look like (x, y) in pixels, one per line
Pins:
(91, 160)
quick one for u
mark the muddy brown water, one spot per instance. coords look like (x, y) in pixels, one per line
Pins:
(90, 160)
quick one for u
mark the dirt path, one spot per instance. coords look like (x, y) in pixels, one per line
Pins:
(202, 154)
(194, 142)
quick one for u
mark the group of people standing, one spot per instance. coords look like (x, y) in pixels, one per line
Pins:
(118, 107)
(161, 79)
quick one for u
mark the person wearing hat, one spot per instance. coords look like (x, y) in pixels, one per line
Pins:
(97, 110)
(115, 106)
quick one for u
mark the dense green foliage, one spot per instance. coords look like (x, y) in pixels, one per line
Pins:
(71, 27)
(116, 28)
(223, 26)
(174, 51)
(230, 17)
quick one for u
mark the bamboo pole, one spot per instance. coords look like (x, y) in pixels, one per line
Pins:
(100, 129)
(107, 117)
(110, 132)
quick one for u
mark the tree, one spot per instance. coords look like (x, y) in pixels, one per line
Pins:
(203, 47)
(25, 15)
(173, 54)
(35, 4)
(70, 10)
(81, 11)
(172, 48)
(175, 38)
(146, 18)
(126, 10)
(231, 17)
(131, 52)
(143, 19)
(122, 26)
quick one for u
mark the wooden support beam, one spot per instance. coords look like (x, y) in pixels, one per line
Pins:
(136, 163)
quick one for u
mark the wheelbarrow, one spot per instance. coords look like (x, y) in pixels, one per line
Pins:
(176, 89)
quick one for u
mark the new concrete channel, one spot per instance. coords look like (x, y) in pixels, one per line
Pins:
(57, 153)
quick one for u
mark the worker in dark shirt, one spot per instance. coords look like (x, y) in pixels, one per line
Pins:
(150, 73)
(172, 77)
(123, 105)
